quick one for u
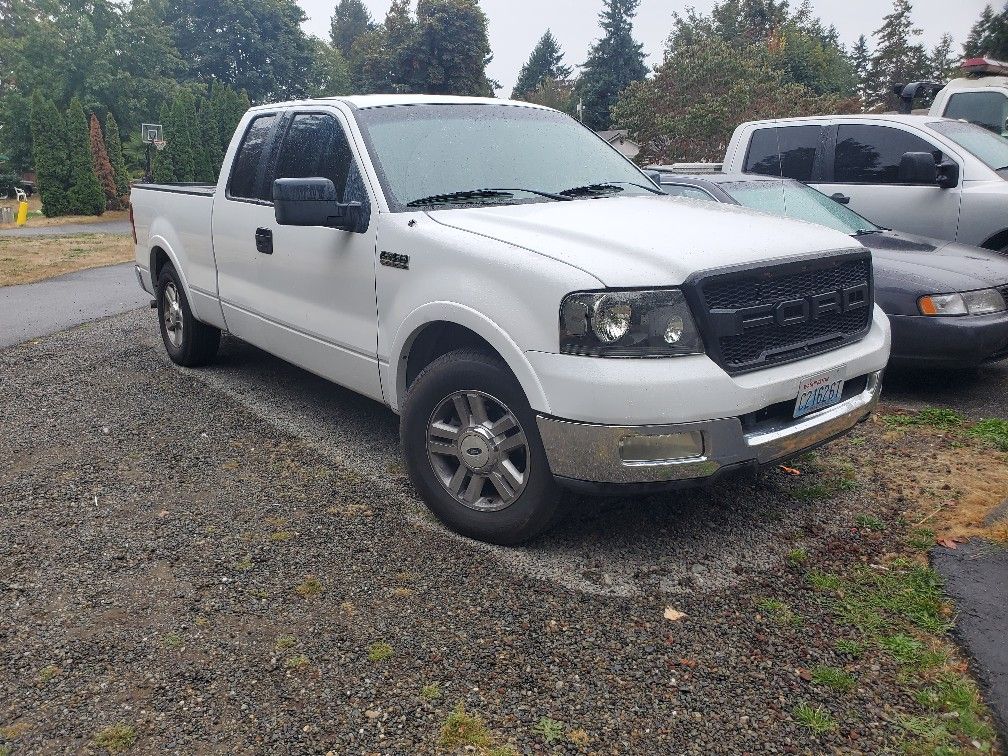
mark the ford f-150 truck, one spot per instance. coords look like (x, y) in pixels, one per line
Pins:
(536, 312)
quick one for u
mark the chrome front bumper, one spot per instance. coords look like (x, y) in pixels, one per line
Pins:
(592, 453)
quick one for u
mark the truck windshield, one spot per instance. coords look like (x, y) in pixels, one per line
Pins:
(987, 146)
(436, 156)
(794, 200)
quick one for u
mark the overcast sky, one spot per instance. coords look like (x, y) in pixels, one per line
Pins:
(516, 25)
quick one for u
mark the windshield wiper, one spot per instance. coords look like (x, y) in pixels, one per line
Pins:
(866, 231)
(474, 195)
(605, 187)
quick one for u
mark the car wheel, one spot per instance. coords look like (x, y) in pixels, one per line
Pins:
(188, 341)
(473, 450)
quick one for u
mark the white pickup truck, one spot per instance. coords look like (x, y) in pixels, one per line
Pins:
(537, 313)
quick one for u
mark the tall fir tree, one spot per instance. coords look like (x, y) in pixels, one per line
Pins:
(614, 62)
(203, 168)
(163, 166)
(860, 60)
(113, 143)
(84, 195)
(102, 164)
(350, 20)
(979, 33)
(179, 133)
(943, 62)
(897, 58)
(453, 48)
(989, 35)
(545, 62)
(211, 137)
(49, 152)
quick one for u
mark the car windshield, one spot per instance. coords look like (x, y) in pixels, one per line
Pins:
(795, 200)
(476, 155)
(989, 147)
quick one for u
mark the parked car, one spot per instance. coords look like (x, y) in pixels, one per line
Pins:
(945, 301)
(507, 282)
(935, 177)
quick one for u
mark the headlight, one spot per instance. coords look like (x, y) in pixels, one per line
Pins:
(967, 303)
(628, 324)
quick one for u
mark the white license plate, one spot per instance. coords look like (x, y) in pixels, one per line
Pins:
(818, 392)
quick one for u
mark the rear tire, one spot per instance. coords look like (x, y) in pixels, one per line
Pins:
(473, 451)
(188, 342)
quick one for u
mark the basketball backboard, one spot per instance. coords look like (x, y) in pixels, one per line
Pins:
(151, 133)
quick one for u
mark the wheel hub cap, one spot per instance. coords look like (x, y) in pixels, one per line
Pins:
(478, 450)
(172, 308)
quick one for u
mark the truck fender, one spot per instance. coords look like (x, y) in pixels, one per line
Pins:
(394, 379)
(156, 241)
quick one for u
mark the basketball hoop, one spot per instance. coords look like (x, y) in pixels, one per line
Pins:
(159, 144)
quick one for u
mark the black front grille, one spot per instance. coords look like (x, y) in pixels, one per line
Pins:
(758, 317)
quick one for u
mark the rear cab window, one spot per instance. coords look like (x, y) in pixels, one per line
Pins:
(248, 170)
(784, 151)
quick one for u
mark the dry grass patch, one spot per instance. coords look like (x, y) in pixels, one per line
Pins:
(25, 259)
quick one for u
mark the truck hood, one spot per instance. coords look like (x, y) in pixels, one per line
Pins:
(645, 241)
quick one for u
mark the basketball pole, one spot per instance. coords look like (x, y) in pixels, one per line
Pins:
(148, 177)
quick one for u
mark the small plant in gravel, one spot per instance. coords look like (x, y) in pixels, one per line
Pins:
(310, 587)
(378, 652)
(824, 581)
(462, 729)
(580, 738)
(993, 432)
(933, 417)
(869, 522)
(298, 661)
(921, 539)
(430, 692)
(171, 640)
(279, 536)
(849, 647)
(814, 718)
(245, 563)
(284, 642)
(48, 672)
(117, 738)
(956, 700)
(833, 677)
(550, 730)
(780, 612)
(797, 557)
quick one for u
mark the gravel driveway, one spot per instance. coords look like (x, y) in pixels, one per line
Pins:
(231, 559)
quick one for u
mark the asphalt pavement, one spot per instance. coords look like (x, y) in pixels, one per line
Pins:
(108, 227)
(30, 311)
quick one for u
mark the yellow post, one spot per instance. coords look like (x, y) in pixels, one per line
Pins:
(22, 213)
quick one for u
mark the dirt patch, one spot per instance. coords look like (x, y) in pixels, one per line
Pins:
(24, 259)
(35, 217)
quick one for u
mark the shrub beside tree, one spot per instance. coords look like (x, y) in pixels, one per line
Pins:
(113, 144)
(84, 195)
(49, 153)
(103, 167)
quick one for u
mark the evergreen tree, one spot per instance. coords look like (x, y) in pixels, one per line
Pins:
(386, 58)
(943, 62)
(163, 168)
(332, 73)
(350, 20)
(861, 63)
(554, 93)
(103, 167)
(181, 134)
(453, 48)
(211, 138)
(113, 143)
(49, 151)
(204, 171)
(614, 62)
(897, 59)
(977, 38)
(545, 62)
(85, 195)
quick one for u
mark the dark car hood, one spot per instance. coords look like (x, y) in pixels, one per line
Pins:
(908, 266)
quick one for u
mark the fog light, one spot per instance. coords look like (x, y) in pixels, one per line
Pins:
(654, 449)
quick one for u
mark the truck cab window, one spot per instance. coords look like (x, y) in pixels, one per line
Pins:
(788, 151)
(316, 146)
(246, 174)
(987, 109)
(871, 154)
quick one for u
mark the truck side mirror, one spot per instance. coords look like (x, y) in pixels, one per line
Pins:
(312, 202)
(918, 168)
(948, 174)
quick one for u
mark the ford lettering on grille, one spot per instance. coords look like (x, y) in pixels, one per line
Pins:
(753, 318)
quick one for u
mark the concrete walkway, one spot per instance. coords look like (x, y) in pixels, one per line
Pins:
(29, 311)
(69, 229)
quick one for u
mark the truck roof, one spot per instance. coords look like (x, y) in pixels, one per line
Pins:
(386, 100)
(976, 82)
(910, 120)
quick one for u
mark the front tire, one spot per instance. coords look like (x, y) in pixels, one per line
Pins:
(187, 341)
(473, 450)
